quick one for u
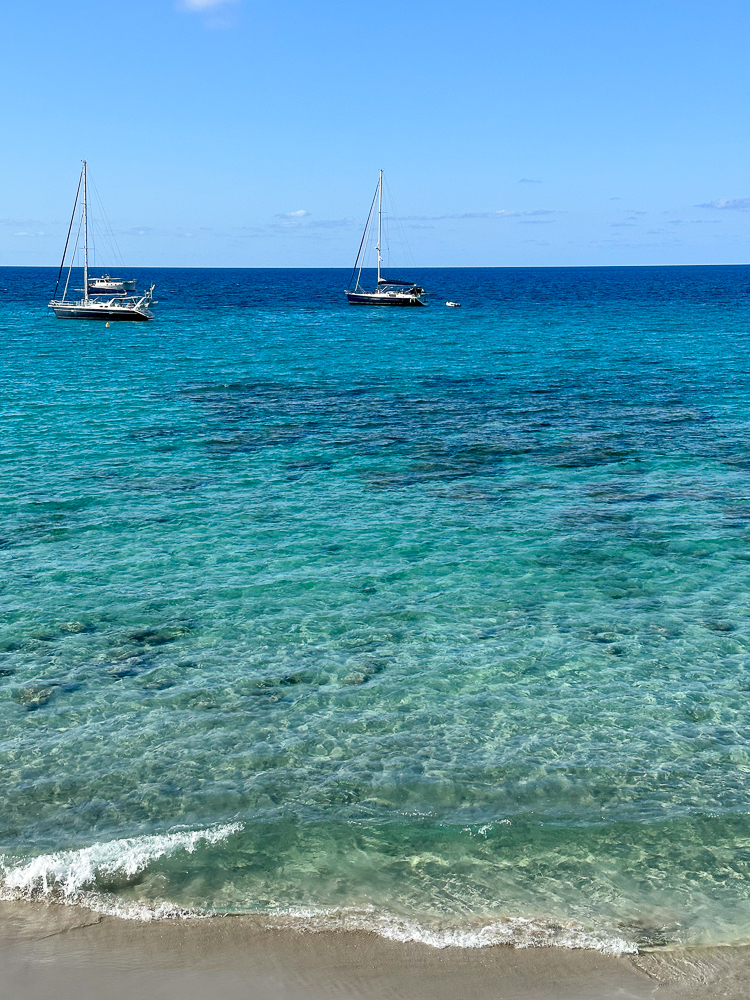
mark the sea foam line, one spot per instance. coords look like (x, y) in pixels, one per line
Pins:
(70, 877)
(66, 875)
(518, 932)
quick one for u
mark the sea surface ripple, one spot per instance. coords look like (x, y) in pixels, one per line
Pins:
(434, 621)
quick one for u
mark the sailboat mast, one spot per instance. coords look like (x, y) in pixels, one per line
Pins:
(85, 237)
(380, 221)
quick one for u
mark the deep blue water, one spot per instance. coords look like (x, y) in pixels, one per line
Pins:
(436, 620)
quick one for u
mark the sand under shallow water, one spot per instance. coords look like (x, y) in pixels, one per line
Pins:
(73, 954)
(430, 626)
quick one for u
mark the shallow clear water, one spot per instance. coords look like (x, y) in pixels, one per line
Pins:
(446, 610)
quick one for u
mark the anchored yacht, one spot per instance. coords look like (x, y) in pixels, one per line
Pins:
(389, 291)
(105, 303)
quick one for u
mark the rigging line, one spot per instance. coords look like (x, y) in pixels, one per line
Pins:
(108, 232)
(67, 240)
(364, 242)
(73, 257)
(371, 241)
(367, 226)
(406, 247)
(96, 228)
(400, 234)
(388, 201)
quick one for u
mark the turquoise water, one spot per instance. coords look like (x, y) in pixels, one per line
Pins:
(433, 621)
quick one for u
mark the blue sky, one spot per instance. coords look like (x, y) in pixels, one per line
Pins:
(249, 133)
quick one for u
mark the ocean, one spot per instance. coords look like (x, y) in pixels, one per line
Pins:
(433, 622)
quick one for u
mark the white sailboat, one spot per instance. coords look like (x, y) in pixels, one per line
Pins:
(389, 291)
(117, 304)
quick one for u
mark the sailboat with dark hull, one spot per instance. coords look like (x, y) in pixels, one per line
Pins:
(389, 291)
(117, 306)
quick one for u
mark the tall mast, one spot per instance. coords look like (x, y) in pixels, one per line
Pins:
(85, 238)
(380, 221)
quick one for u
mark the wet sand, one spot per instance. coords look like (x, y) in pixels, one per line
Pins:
(72, 954)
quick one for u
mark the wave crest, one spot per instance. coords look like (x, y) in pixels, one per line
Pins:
(75, 877)
(68, 874)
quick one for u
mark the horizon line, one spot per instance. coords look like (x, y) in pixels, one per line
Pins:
(415, 267)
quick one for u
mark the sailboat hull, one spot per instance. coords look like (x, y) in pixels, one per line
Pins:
(120, 313)
(383, 299)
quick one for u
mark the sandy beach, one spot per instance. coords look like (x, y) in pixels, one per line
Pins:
(73, 954)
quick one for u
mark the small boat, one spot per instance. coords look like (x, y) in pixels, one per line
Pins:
(103, 304)
(389, 291)
(105, 284)
(455, 305)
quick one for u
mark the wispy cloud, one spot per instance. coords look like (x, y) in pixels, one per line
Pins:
(528, 180)
(291, 220)
(248, 231)
(203, 5)
(482, 215)
(735, 204)
(301, 219)
(217, 12)
(631, 218)
(500, 214)
(621, 242)
(330, 223)
(24, 223)
(694, 222)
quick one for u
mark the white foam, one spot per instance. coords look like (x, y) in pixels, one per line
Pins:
(518, 932)
(67, 875)
(71, 877)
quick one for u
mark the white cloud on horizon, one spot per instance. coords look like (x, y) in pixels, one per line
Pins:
(500, 214)
(734, 204)
(301, 220)
(25, 223)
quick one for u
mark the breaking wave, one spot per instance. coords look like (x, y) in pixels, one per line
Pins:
(74, 878)
(71, 876)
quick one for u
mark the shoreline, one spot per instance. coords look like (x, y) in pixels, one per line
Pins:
(49, 949)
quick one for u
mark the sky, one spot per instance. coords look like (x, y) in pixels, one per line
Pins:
(249, 133)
